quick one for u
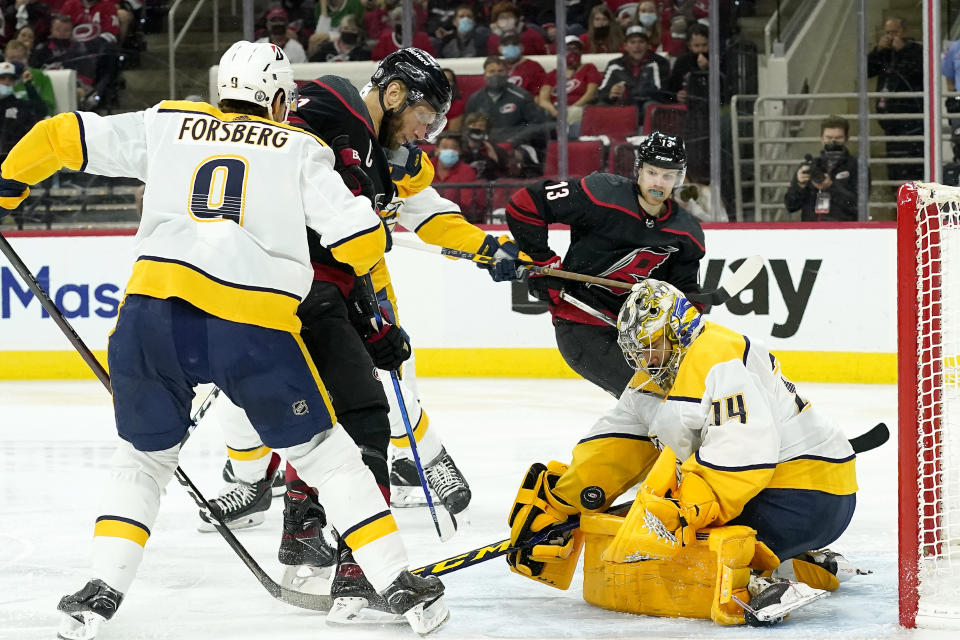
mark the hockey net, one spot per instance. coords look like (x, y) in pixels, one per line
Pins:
(928, 275)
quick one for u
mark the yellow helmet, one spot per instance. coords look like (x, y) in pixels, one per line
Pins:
(654, 310)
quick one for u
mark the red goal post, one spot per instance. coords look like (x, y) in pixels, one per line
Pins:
(928, 347)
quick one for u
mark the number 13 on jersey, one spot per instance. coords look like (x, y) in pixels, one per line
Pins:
(218, 188)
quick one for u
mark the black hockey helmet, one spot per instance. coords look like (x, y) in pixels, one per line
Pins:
(662, 150)
(424, 79)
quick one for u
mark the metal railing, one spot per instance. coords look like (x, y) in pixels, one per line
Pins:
(773, 162)
(174, 41)
(781, 27)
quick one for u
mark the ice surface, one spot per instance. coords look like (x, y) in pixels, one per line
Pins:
(56, 439)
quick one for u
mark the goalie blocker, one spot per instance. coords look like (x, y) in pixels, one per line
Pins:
(700, 394)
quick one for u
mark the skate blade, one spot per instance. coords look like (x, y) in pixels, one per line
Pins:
(356, 611)
(307, 579)
(405, 497)
(82, 625)
(805, 595)
(426, 618)
(245, 522)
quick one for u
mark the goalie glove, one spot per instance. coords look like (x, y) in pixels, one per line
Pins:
(535, 511)
(507, 264)
(347, 164)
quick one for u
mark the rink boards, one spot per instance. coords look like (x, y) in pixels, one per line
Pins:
(824, 303)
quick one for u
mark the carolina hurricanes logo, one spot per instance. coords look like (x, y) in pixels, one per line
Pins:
(635, 266)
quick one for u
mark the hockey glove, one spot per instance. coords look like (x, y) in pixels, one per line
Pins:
(545, 288)
(389, 347)
(351, 171)
(12, 193)
(507, 264)
(534, 512)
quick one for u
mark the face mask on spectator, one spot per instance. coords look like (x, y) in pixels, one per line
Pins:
(5, 90)
(349, 38)
(511, 52)
(465, 25)
(647, 19)
(477, 134)
(278, 29)
(602, 32)
(507, 24)
(573, 59)
(448, 157)
(496, 83)
(59, 43)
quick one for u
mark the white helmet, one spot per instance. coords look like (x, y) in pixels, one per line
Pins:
(254, 72)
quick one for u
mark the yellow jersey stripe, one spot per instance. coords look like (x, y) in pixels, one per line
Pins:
(163, 278)
(248, 454)
(451, 230)
(403, 441)
(117, 527)
(48, 147)
(370, 530)
(362, 250)
(316, 377)
(838, 477)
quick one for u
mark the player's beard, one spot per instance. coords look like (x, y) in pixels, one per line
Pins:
(391, 125)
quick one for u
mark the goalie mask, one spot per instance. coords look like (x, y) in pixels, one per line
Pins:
(656, 326)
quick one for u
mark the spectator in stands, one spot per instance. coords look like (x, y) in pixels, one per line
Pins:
(638, 76)
(376, 20)
(514, 116)
(505, 18)
(392, 40)
(457, 103)
(331, 12)
(18, 14)
(674, 40)
(486, 158)
(449, 168)
(698, 44)
(18, 116)
(277, 34)
(467, 39)
(62, 51)
(34, 84)
(897, 62)
(625, 11)
(648, 17)
(582, 83)
(28, 37)
(349, 45)
(92, 19)
(825, 188)
(578, 15)
(521, 71)
(604, 34)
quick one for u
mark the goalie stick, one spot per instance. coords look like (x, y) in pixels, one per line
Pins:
(734, 284)
(295, 598)
(867, 441)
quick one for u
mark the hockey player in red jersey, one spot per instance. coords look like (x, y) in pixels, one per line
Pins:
(619, 229)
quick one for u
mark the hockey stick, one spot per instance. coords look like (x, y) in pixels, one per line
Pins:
(496, 549)
(416, 455)
(733, 285)
(295, 598)
(583, 306)
(871, 439)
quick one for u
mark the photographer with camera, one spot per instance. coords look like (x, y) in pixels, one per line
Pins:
(825, 188)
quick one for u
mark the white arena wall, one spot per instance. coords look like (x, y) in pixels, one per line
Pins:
(824, 303)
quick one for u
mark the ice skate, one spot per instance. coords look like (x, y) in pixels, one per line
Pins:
(354, 599)
(240, 506)
(279, 485)
(446, 481)
(405, 489)
(419, 600)
(306, 549)
(87, 609)
(821, 569)
(772, 600)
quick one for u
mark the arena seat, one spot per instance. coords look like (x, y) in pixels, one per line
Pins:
(469, 85)
(667, 118)
(583, 157)
(617, 123)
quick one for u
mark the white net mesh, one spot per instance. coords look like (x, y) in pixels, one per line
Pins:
(938, 403)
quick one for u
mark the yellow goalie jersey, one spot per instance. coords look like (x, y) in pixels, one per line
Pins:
(225, 206)
(731, 417)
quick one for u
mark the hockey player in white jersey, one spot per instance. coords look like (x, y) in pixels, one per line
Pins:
(221, 269)
(715, 435)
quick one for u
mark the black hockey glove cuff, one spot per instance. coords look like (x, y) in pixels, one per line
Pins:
(389, 347)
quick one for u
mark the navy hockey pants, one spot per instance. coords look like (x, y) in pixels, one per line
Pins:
(791, 521)
(161, 349)
(592, 351)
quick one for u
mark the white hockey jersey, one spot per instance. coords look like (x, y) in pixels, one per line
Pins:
(227, 200)
(731, 417)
